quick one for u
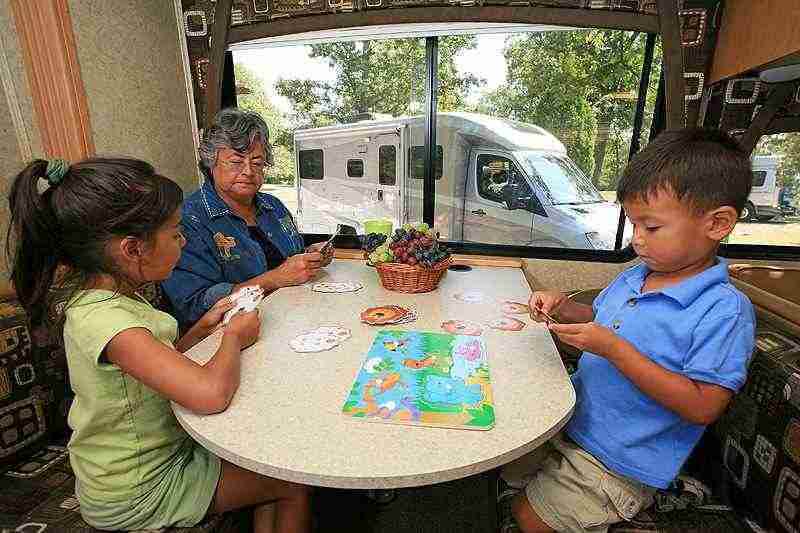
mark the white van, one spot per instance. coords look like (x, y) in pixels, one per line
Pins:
(763, 204)
(497, 181)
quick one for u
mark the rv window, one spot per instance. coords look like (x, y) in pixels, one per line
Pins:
(759, 177)
(418, 162)
(311, 166)
(355, 168)
(494, 173)
(387, 165)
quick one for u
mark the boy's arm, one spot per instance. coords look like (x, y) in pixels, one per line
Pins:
(695, 401)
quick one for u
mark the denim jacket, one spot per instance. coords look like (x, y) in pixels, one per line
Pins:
(220, 252)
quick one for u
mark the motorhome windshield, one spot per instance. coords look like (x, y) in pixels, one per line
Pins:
(564, 181)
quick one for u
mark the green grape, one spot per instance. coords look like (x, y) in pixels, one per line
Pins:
(423, 227)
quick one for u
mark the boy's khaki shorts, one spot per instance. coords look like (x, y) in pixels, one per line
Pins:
(570, 490)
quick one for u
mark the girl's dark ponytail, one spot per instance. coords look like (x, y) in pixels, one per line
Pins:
(64, 216)
(32, 238)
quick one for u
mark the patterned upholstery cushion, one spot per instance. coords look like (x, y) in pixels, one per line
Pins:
(760, 434)
(25, 398)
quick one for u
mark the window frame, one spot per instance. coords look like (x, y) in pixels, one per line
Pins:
(481, 195)
(438, 170)
(619, 254)
(760, 184)
(382, 180)
(321, 166)
(355, 160)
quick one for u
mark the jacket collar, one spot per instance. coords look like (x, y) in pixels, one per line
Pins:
(216, 206)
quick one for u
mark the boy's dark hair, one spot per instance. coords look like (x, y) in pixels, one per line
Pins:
(63, 232)
(705, 167)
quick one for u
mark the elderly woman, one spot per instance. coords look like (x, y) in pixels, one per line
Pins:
(235, 235)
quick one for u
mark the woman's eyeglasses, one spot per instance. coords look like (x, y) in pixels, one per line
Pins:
(238, 166)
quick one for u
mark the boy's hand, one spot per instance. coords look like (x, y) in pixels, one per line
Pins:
(246, 327)
(547, 301)
(590, 337)
(213, 316)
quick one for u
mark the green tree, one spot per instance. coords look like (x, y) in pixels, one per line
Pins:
(786, 145)
(377, 77)
(254, 98)
(581, 85)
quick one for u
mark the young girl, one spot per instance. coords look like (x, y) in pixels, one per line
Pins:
(99, 230)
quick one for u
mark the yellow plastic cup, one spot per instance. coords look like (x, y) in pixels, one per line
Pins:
(378, 226)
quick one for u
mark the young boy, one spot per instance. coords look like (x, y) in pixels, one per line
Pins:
(666, 345)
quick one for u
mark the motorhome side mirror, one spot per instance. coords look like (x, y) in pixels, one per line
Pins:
(535, 206)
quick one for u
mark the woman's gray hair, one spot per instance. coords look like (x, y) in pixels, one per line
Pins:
(233, 128)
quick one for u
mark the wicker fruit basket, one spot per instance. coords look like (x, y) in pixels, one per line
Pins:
(406, 278)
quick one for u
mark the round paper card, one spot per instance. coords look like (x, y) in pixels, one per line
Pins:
(507, 323)
(321, 339)
(337, 286)
(384, 314)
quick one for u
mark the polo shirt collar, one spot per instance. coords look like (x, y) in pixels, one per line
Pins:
(217, 207)
(688, 290)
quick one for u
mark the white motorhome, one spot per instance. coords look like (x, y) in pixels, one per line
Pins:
(763, 204)
(497, 181)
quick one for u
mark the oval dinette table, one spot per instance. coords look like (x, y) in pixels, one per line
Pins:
(286, 419)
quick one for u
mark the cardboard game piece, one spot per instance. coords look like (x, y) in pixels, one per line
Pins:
(426, 379)
(506, 323)
(462, 327)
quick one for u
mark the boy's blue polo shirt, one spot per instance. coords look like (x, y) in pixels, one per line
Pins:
(703, 328)
(220, 252)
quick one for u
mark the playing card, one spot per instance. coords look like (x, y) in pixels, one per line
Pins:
(470, 297)
(245, 299)
(329, 243)
(336, 331)
(313, 343)
(320, 339)
(337, 286)
(411, 316)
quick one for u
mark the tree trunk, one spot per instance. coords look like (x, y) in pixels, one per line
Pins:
(600, 145)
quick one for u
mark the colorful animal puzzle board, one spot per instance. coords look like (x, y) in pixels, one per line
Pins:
(427, 379)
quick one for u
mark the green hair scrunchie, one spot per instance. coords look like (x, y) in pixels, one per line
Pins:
(56, 169)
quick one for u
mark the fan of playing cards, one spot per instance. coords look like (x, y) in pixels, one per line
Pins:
(245, 299)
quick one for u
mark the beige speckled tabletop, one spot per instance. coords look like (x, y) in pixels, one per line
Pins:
(286, 419)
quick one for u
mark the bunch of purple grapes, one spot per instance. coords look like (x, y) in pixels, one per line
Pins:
(373, 240)
(412, 247)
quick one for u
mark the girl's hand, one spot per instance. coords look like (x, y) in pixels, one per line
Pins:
(214, 315)
(245, 327)
(547, 301)
(590, 337)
